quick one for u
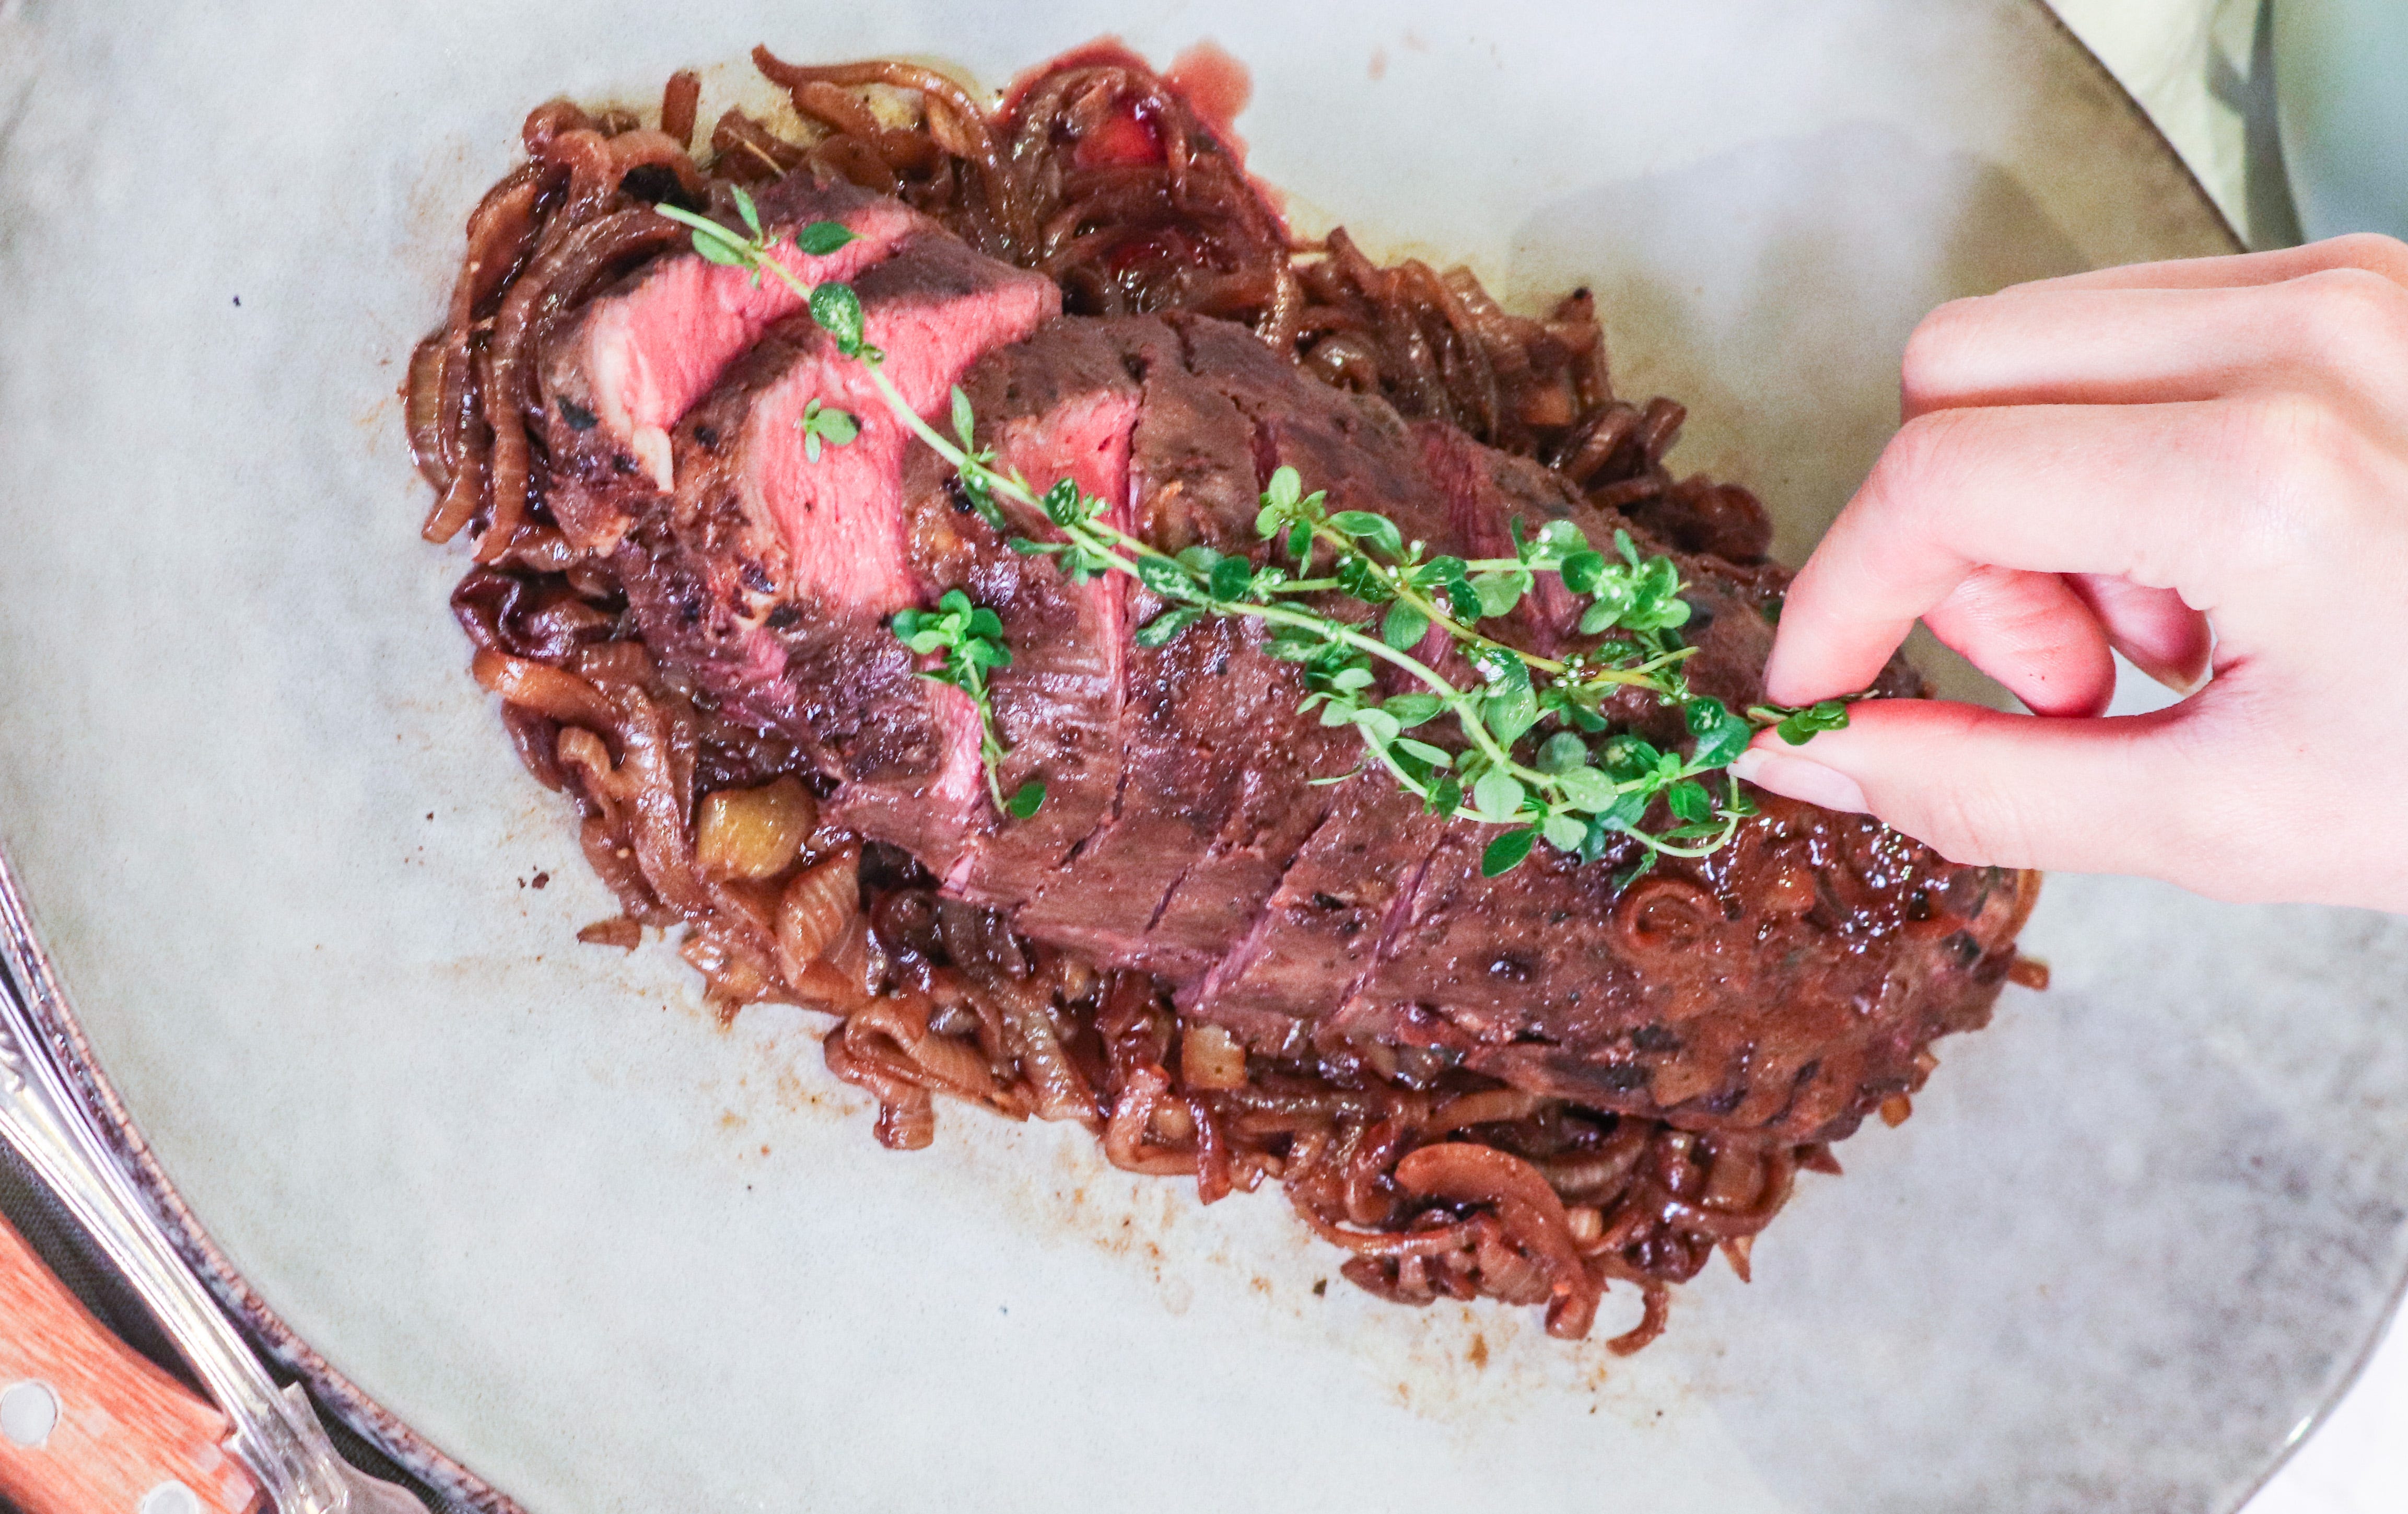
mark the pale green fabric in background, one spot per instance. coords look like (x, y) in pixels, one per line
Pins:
(2344, 112)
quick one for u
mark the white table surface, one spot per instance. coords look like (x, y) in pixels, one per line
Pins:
(2185, 60)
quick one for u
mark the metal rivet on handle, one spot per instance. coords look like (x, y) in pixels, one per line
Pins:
(169, 1498)
(29, 1411)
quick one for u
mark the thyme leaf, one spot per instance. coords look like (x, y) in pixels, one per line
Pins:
(825, 423)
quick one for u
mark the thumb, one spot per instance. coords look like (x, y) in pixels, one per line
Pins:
(1982, 787)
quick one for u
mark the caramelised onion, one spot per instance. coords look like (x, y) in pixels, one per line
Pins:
(907, 1113)
(679, 98)
(581, 753)
(439, 400)
(737, 973)
(1124, 1134)
(1030, 1031)
(1736, 1175)
(968, 123)
(1383, 1243)
(1462, 1172)
(1659, 1309)
(1592, 443)
(981, 942)
(1779, 1174)
(560, 275)
(748, 152)
(1488, 1106)
(901, 1020)
(659, 789)
(1217, 1171)
(432, 443)
(1597, 1175)
(535, 739)
(754, 833)
(1736, 1252)
(619, 931)
(815, 909)
(548, 691)
(1211, 1058)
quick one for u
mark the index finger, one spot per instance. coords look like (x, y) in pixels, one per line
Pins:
(2131, 491)
(2365, 250)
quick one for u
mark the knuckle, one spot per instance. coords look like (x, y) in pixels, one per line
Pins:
(2315, 489)
(1922, 459)
(2296, 448)
(2372, 251)
(2346, 319)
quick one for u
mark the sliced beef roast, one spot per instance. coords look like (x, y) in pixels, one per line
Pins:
(1199, 828)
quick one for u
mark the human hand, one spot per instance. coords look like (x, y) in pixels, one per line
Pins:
(2202, 465)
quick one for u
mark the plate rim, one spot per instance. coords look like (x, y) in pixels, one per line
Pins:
(452, 1480)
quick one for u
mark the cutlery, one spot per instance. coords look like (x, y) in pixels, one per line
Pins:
(104, 1429)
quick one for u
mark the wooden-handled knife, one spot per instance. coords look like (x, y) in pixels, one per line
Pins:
(80, 1392)
(87, 1425)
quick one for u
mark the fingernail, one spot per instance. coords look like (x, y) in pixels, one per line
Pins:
(2185, 684)
(1799, 779)
(2183, 681)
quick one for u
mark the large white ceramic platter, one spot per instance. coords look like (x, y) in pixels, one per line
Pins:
(544, 1219)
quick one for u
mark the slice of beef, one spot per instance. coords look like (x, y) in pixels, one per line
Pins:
(637, 358)
(708, 572)
(1352, 446)
(1487, 492)
(1790, 981)
(1321, 868)
(1217, 794)
(772, 573)
(1160, 837)
(1331, 919)
(933, 308)
(1060, 405)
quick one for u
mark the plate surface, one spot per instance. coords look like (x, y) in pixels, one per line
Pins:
(525, 1196)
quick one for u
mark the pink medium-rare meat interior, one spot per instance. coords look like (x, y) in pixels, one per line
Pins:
(933, 308)
(1086, 441)
(649, 352)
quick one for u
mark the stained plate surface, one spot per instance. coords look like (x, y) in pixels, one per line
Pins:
(526, 1197)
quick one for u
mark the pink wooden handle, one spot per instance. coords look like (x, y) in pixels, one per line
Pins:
(87, 1425)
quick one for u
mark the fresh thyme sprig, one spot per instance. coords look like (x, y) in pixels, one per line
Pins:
(1575, 794)
(970, 638)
